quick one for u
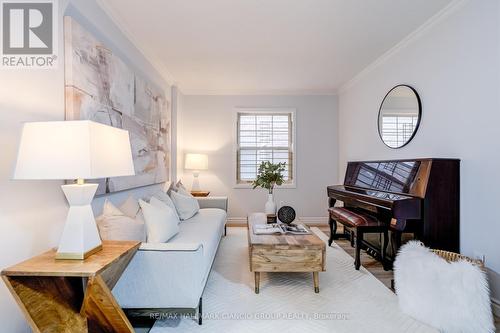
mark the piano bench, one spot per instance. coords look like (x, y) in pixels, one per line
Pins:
(360, 223)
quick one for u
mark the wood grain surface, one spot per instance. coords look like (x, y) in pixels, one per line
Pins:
(72, 296)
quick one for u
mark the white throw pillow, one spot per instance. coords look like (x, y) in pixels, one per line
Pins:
(453, 297)
(111, 210)
(183, 191)
(160, 204)
(121, 227)
(130, 207)
(161, 222)
(186, 206)
(162, 196)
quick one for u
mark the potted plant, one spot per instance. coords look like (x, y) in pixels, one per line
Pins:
(270, 175)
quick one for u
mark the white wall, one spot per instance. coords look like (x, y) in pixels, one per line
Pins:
(206, 124)
(455, 67)
(32, 213)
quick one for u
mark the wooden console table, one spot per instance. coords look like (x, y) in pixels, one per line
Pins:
(72, 295)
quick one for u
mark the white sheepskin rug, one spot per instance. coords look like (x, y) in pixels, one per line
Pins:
(453, 297)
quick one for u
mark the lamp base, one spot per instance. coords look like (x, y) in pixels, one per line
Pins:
(77, 256)
(200, 193)
(80, 236)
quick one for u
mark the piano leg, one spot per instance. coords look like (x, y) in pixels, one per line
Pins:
(351, 237)
(359, 244)
(396, 241)
(384, 250)
(333, 230)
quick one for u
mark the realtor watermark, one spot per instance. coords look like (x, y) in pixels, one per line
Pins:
(29, 34)
(253, 316)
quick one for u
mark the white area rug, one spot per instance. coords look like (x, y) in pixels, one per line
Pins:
(349, 300)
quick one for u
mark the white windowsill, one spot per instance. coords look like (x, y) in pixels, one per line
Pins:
(249, 186)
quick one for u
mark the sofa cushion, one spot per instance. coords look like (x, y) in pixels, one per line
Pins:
(206, 227)
(130, 207)
(161, 222)
(111, 210)
(166, 199)
(186, 206)
(121, 227)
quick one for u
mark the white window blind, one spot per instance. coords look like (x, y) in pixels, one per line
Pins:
(397, 130)
(263, 137)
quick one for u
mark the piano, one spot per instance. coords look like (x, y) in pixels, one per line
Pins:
(418, 196)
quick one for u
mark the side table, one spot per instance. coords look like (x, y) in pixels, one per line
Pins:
(72, 295)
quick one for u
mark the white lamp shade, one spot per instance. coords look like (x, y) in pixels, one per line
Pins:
(73, 149)
(196, 162)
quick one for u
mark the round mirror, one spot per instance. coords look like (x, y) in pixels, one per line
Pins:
(399, 116)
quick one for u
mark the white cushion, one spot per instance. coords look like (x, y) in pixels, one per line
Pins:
(121, 227)
(130, 207)
(179, 185)
(452, 297)
(161, 222)
(160, 204)
(186, 206)
(184, 191)
(165, 198)
(111, 210)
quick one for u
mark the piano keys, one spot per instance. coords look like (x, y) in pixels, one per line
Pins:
(418, 196)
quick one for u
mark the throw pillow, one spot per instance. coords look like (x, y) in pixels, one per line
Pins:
(121, 227)
(168, 186)
(130, 207)
(162, 196)
(111, 210)
(160, 204)
(179, 185)
(183, 191)
(186, 206)
(161, 223)
(451, 296)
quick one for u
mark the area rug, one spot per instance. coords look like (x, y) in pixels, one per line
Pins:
(349, 300)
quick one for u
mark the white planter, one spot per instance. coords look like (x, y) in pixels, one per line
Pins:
(270, 207)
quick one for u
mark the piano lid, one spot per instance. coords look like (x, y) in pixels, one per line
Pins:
(403, 177)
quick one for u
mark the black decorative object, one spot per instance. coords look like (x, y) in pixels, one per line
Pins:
(271, 218)
(286, 214)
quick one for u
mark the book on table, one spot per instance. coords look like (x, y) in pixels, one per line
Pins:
(280, 228)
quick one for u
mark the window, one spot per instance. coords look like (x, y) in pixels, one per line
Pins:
(264, 136)
(397, 130)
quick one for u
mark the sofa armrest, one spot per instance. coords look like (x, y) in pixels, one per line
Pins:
(170, 247)
(213, 202)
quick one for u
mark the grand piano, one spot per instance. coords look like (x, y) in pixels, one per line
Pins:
(417, 196)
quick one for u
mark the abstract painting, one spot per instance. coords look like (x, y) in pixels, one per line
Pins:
(100, 86)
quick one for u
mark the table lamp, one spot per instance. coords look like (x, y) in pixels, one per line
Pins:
(78, 150)
(196, 162)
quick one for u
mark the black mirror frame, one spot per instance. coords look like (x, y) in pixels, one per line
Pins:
(419, 115)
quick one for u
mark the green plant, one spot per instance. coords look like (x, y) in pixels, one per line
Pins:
(269, 175)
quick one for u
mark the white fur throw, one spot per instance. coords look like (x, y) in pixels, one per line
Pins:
(453, 297)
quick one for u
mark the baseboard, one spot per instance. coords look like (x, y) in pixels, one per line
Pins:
(308, 220)
(495, 306)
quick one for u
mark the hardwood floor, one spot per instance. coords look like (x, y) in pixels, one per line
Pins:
(368, 262)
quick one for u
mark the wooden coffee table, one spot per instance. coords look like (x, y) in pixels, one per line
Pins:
(284, 253)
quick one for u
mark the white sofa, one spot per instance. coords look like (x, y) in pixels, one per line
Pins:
(173, 274)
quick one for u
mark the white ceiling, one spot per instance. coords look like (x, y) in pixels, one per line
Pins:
(266, 46)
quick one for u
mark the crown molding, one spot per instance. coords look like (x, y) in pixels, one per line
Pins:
(146, 52)
(231, 92)
(413, 36)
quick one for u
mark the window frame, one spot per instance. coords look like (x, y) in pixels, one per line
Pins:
(293, 147)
